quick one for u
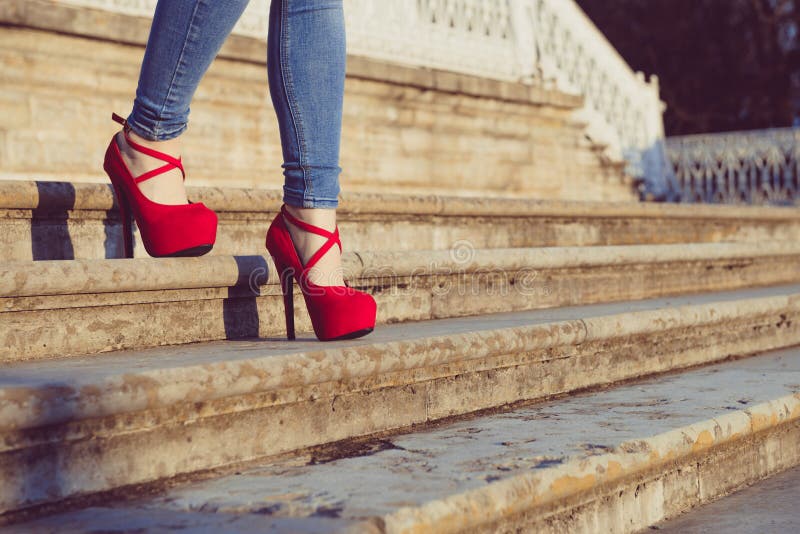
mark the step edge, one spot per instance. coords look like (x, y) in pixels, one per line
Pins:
(92, 276)
(88, 196)
(531, 491)
(25, 407)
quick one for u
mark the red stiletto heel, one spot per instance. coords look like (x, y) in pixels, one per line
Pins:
(337, 312)
(166, 230)
(287, 284)
(127, 222)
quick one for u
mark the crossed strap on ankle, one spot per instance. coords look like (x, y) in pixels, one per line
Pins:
(333, 237)
(171, 163)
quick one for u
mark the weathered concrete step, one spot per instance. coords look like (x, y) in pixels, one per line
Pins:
(74, 427)
(45, 220)
(611, 461)
(62, 308)
(767, 507)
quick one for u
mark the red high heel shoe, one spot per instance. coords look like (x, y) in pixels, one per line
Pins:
(337, 312)
(166, 230)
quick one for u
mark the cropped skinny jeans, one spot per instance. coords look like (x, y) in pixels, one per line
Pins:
(305, 69)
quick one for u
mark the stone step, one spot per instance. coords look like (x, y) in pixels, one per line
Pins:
(767, 507)
(76, 427)
(615, 460)
(63, 308)
(59, 220)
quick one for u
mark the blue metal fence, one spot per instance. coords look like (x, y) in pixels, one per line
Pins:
(750, 167)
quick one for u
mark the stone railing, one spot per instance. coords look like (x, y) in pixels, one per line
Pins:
(753, 167)
(528, 41)
(622, 109)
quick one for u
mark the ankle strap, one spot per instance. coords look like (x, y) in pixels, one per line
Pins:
(333, 237)
(171, 163)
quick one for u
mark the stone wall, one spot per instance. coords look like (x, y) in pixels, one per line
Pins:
(63, 70)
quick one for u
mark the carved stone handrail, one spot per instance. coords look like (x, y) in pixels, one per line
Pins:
(622, 108)
(528, 41)
(751, 167)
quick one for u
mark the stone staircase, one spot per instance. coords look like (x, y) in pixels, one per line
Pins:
(434, 258)
(575, 362)
(484, 304)
(62, 220)
(614, 460)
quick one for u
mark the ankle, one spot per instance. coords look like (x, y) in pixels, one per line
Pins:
(328, 269)
(167, 188)
(307, 242)
(170, 147)
(323, 217)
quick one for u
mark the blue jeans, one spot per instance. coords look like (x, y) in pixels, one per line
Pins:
(306, 70)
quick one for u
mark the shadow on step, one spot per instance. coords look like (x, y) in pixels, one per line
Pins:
(50, 239)
(51, 235)
(240, 308)
(143, 518)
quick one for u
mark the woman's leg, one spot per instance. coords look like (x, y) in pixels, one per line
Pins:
(306, 67)
(185, 37)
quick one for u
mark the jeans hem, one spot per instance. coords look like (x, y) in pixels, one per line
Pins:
(153, 133)
(298, 201)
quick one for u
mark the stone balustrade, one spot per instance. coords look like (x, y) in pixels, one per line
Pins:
(621, 109)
